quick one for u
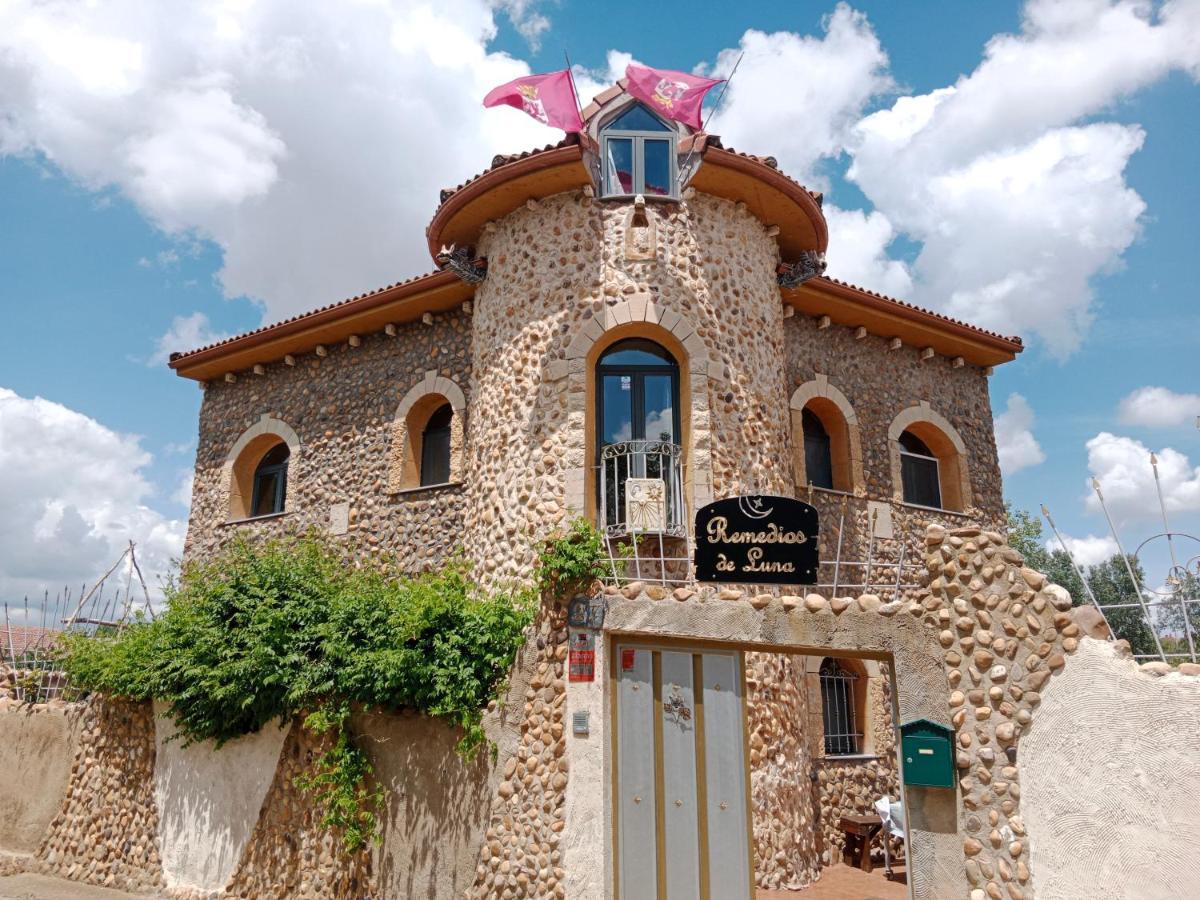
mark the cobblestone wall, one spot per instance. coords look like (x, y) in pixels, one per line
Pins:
(521, 856)
(107, 830)
(785, 826)
(291, 854)
(342, 407)
(556, 265)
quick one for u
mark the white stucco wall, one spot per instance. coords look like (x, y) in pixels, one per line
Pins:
(1111, 781)
(584, 859)
(208, 801)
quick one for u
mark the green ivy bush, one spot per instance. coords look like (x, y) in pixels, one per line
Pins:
(282, 628)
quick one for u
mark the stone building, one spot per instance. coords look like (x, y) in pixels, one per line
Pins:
(641, 305)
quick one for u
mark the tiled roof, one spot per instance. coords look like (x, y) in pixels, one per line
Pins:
(714, 140)
(237, 337)
(920, 309)
(503, 159)
(25, 638)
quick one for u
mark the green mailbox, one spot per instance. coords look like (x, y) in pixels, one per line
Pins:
(928, 750)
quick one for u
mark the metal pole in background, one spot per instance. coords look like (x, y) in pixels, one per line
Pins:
(1078, 574)
(1137, 588)
(1162, 506)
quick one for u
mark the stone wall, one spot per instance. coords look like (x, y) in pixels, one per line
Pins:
(291, 854)
(520, 854)
(556, 270)
(785, 826)
(342, 408)
(850, 786)
(880, 383)
(107, 830)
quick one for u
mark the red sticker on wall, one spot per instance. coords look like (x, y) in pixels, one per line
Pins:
(626, 658)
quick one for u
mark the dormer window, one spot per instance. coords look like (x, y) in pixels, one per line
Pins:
(638, 153)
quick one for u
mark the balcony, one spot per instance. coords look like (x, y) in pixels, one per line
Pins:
(641, 489)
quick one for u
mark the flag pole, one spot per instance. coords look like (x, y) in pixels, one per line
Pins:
(704, 127)
(574, 89)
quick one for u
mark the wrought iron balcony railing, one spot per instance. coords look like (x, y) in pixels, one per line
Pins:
(641, 489)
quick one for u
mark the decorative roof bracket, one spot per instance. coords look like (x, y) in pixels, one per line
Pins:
(810, 264)
(463, 263)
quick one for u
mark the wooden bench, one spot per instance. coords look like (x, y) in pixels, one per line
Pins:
(860, 832)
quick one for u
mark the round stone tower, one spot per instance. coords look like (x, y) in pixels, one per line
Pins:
(570, 273)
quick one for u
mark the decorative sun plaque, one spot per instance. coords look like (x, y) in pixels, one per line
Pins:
(646, 504)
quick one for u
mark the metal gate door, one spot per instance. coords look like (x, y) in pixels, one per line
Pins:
(682, 780)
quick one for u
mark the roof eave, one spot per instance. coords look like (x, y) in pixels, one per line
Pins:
(460, 218)
(854, 307)
(401, 303)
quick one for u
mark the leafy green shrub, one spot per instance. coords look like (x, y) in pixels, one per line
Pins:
(284, 627)
(572, 560)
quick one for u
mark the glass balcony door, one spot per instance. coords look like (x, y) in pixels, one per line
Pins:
(637, 414)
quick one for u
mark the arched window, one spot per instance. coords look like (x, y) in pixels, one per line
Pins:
(929, 460)
(270, 482)
(826, 447)
(427, 435)
(435, 447)
(637, 434)
(637, 150)
(919, 472)
(818, 458)
(839, 684)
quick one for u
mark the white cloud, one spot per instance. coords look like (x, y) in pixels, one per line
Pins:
(530, 23)
(861, 256)
(186, 333)
(1017, 201)
(1122, 466)
(183, 492)
(797, 97)
(75, 493)
(1015, 443)
(308, 140)
(1158, 407)
(1086, 551)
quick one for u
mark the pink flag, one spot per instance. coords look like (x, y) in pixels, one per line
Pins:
(548, 98)
(675, 95)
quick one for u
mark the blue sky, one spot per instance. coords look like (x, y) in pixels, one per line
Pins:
(150, 196)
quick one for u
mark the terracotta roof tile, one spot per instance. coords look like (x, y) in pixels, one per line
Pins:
(929, 312)
(503, 159)
(25, 639)
(312, 312)
(714, 140)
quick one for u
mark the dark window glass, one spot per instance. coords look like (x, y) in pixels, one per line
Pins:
(620, 165)
(656, 167)
(919, 472)
(818, 460)
(637, 118)
(914, 444)
(270, 482)
(837, 709)
(435, 447)
(638, 385)
(636, 352)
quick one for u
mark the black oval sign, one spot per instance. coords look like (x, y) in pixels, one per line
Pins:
(757, 540)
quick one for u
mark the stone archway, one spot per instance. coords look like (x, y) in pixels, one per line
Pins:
(237, 473)
(637, 315)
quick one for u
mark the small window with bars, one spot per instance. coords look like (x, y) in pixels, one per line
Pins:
(842, 737)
